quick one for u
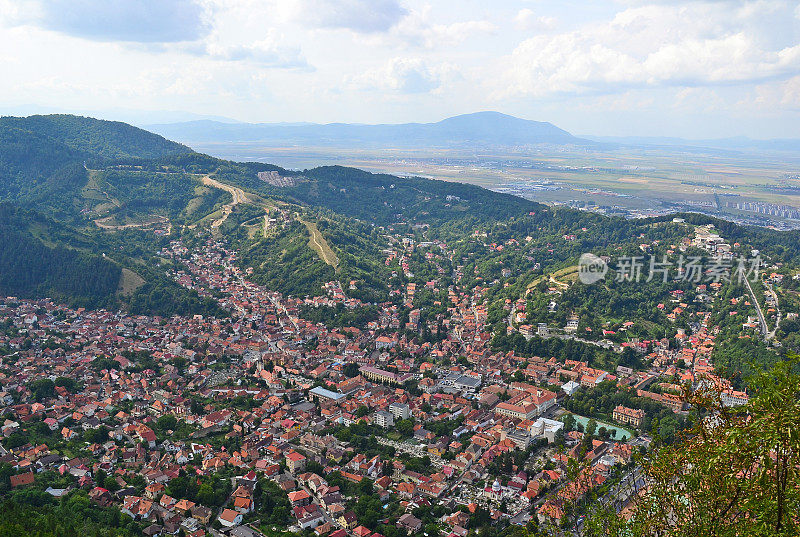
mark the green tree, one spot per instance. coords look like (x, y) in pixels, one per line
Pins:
(42, 389)
(591, 427)
(167, 422)
(736, 472)
(569, 421)
(351, 369)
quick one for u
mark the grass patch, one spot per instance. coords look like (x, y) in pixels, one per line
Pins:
(318, 243)
(129, 282)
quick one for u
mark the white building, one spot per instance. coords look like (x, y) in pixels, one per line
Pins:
(570, 387)
(545, 428)
(384, 419)
(542, 329)
(734, 398)
(400, 411)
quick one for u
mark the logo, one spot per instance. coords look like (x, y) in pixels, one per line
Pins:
(591, 268)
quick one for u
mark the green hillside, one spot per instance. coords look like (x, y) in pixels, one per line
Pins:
(111, 188)
(42, 158)
(384, 199)
(97, 138)
(50, 200)
(29, 160)
(29, 268)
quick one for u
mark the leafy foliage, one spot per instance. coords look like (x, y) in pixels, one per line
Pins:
(736, 472)
(29, 268)
(37, 514)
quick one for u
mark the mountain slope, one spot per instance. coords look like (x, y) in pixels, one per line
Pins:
(142, 205)
(378, 198)
(97, 138)
(50, 243)
(30, 268)
(28, 158)
(481, 129)
(42, 158)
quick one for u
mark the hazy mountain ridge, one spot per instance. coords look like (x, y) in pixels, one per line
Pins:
(738, 143)
(480, 128)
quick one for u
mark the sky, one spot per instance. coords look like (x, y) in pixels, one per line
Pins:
(693, 69)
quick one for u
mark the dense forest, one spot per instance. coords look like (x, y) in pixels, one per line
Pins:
(35, 150)
(29, 268)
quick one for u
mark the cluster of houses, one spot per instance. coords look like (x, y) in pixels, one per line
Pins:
(463, 406)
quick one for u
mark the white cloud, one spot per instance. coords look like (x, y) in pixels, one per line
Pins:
(776, 96)
(388, 60)
(704, 99)
(405, 76)
(267, 52)
(526, 19)
(650, 46)
(365, 16)
(419, 29)
(145, 21)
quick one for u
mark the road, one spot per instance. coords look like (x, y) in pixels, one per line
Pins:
(511, 314)
(238, 194)
(777, 309)
(761, 320)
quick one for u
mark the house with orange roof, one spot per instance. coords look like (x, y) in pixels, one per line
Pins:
(296, 462)
(230, 518)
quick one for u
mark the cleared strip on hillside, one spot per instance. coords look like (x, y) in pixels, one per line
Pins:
(318, 243)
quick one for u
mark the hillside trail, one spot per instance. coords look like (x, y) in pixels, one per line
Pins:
(238, 194)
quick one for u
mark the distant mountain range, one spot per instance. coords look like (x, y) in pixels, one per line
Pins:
(738, 143)
(478, 129)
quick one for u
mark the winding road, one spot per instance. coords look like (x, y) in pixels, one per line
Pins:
(238, 194)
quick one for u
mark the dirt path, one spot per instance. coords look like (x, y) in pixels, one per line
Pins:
(552, 278)
(159, 220)
(320, 245)
(238, 194)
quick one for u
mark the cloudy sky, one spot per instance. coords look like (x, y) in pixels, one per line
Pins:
(626, 67)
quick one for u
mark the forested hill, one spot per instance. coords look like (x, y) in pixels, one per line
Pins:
(384, 199)
(50, 244)
(40, 156)
(115, 195)
(28, 158)
(95, 137)
(29, 268)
